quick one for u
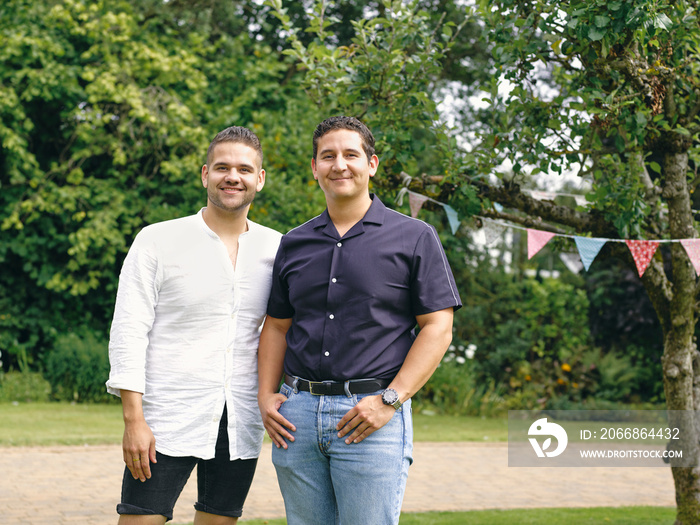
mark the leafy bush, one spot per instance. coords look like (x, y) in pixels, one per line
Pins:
(535, 346)
(78, 367)
(24, 387)
(455, 389)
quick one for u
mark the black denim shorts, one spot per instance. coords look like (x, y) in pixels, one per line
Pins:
(222, 485)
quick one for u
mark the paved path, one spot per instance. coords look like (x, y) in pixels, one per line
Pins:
(81, 485)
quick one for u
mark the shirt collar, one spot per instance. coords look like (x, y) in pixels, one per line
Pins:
(212, 234)
(375, 214)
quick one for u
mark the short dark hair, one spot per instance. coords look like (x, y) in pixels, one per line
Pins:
(350, 123)
(236, 134)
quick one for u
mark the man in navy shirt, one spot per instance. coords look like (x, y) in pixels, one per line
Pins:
(349, 288)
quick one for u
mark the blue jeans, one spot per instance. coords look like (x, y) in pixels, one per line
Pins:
(324, 481)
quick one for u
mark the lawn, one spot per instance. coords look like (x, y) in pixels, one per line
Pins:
(583, 516)
(44, 424)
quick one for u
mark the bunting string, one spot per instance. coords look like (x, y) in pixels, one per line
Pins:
(642, 251)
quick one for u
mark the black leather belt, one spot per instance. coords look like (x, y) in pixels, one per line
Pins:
(337, 388)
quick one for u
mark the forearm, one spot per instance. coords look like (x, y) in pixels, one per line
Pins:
(132, 407)
(273, 345)
(426, 353)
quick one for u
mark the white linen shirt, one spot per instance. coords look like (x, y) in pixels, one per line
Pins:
(185, 334)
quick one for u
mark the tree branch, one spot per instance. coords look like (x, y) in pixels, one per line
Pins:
(511, 196)
(524, 220)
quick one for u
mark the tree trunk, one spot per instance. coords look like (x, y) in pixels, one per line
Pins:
(680, 352)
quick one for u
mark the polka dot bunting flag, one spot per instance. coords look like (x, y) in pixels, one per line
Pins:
(642, 252)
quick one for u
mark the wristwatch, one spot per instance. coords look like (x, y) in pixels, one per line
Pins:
(391, 397)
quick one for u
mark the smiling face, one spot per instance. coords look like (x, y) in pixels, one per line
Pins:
(232, 177)
(341, 166)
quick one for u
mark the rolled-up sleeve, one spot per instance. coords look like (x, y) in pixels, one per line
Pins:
(134, 313)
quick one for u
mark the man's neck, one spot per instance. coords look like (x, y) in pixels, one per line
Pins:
(345, 214)
(225, 224)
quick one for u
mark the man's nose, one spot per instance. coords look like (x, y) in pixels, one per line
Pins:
(232, 175)
(339, 164)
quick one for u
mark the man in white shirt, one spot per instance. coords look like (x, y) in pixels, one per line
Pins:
(183, 345)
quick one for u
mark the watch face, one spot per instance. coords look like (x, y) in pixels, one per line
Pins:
(389, 396)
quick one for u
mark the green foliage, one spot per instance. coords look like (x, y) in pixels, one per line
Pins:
(455, 388)
(78, 368)
(534, 345)
(24, 387)
(106, 111)
(384, 76)
(616, 88)
(623, 322)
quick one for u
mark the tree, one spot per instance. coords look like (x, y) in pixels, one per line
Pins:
(106, 111)
(607, 89)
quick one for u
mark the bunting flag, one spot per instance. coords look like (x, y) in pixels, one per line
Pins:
(692, 248)
(492, 232)
(642, 252)
(452, 218)
(588, 248)
(536, 239)
(416, 201)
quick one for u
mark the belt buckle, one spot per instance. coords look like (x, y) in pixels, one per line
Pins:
(319, 384)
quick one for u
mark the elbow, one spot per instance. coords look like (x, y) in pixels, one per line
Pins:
(446, 338)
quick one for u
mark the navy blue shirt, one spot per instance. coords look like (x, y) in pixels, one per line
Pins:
(354, 300)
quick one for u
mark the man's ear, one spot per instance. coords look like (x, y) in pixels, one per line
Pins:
(261, 180)
(373, 165)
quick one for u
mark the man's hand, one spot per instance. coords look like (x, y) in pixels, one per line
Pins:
(278, 428)
(368, 416)
(138, 447)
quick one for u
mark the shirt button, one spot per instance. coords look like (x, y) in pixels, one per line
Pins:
(327, 354)
(334, 280)
(339, 244)
(331, 316)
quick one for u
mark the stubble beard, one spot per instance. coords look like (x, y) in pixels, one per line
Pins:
(246, 200)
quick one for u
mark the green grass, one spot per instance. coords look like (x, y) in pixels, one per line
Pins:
(459, 428)
(44, 424)
(582, 516)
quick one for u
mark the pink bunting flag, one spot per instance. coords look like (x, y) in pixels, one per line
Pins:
(692, 248)
(415, 201)
(642, 252)
(536, 239)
